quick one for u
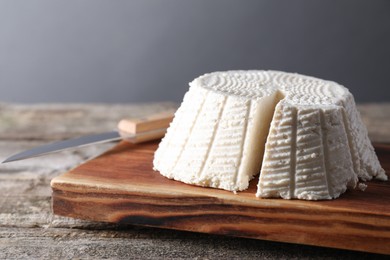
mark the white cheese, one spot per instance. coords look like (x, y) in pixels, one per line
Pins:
(362, 186)
(304, 135)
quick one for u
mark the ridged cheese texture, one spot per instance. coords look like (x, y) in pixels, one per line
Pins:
(302, 134)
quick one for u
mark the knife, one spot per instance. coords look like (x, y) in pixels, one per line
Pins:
(132, 130)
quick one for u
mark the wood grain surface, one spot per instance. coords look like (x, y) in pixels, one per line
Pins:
(121, 187)
(29, 230)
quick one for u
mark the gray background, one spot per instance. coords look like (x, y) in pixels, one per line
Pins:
(126, 51)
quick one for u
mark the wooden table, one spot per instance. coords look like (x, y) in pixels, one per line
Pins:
(28, 229)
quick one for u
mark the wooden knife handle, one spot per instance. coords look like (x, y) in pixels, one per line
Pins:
(147, 128)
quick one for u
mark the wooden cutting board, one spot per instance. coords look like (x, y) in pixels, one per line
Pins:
(120, 186)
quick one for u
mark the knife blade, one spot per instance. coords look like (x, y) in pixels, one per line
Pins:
(132, 130)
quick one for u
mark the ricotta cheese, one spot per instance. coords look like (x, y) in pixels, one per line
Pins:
(304, 135)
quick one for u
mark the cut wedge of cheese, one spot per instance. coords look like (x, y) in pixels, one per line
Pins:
(302, 134)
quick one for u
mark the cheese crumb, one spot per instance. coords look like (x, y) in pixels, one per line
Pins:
(362, 186)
